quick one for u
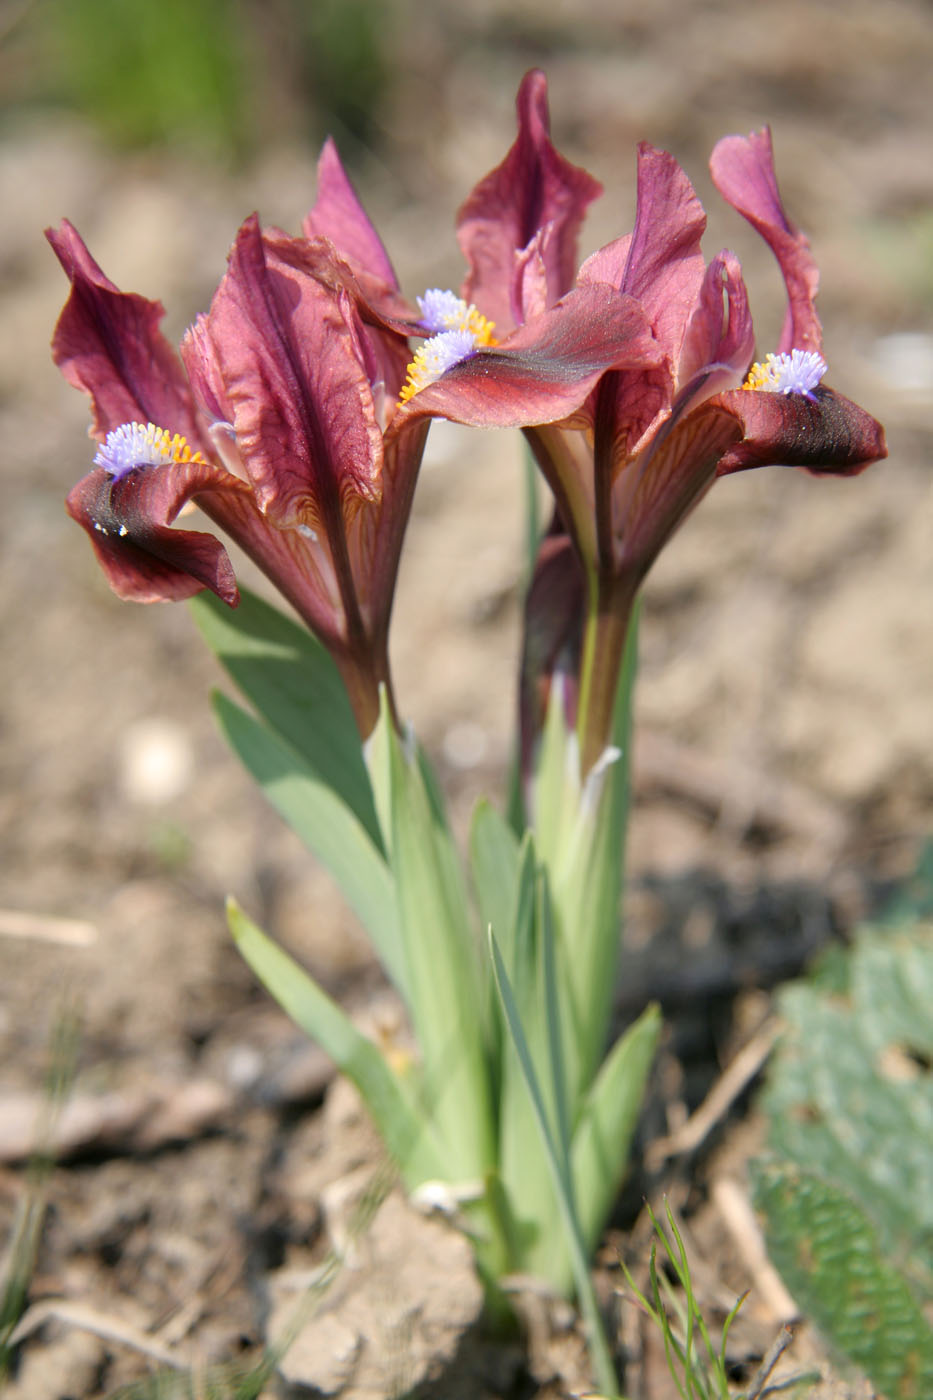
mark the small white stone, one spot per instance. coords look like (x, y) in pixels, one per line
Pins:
(156, 761)
(465, 745)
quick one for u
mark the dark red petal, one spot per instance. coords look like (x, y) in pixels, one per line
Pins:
(128, 522)
(285, 348)
(659, 488)
(338, 215)
(829, 435)
(743, 171)
(552, 639)
(546, 369)
(720, 342)
(533, 187)
(108, 344)
(665, 266)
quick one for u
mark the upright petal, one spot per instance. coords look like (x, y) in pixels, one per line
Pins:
(128, 522)
(720, 342)
(533, 187)
(743, 171)
(108, 344)
(337, 214)
(281, 344)
(827, 434)
(664, 265)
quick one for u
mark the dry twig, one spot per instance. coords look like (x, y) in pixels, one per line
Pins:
(718, 1101)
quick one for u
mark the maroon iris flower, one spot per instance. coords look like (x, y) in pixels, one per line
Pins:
(281, 414)
(655, 431)
(283, 421)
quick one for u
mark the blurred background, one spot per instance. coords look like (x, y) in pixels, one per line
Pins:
(784, 766)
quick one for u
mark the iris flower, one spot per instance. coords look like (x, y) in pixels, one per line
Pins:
(275, 432)
(282, 420)
(652, 436)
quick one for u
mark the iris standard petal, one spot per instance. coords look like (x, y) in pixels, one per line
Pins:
(743, 171)
(534, 188)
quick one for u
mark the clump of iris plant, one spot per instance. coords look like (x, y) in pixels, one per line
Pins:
(294, 418)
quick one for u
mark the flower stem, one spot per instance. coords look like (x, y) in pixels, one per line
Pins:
(363, 671)
(611, 598)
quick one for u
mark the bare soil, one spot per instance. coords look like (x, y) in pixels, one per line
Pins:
(207, 1165)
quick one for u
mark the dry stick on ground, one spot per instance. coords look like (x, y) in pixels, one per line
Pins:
(46, 928)
(718, 1101)
(109, 1329)
(773, 1355)
(738, 1217)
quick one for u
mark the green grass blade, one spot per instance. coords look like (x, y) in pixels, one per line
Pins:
(25, 1237)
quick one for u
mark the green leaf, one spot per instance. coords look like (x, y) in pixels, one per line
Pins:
(494, 863)
(848, 1199)
(325, 823)
(295, 686)
(581, 842)
(559, 1167)
(443, 975)
(892, 985)
(403, 1127)
(523, 1168)
(850, 1094)
(494, 857)
(834, 1264)
(607, 1121)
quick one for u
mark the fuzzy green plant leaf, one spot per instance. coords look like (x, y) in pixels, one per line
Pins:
(838, 1270)
(291, 681)
(850, 1093)
(848, 1192)
(326, 824)
(402, 1125)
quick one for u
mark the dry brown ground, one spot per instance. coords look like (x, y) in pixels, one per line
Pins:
(784, 763)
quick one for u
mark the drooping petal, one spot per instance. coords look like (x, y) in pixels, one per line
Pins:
(546, 369)
(128, 521)
(337, 214)
(826, 433)
(533, 187)
(281, 344)
(743, 171)
(108, 344)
